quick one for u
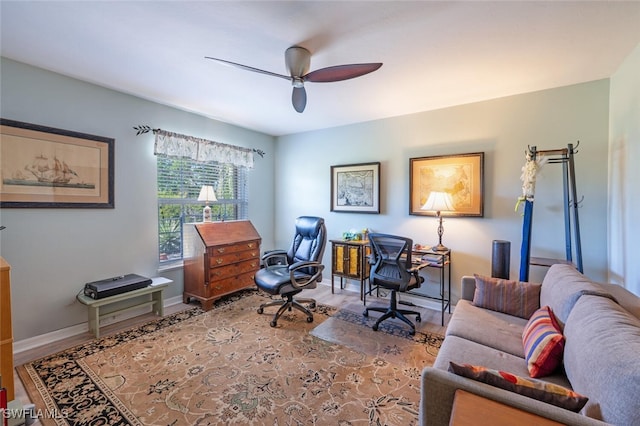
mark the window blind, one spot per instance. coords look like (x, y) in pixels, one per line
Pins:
(179, 183)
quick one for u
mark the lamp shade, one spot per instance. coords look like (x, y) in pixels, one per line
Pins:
(207, 194)
(439, 202)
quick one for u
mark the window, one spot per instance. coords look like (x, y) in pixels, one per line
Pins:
(179, 182)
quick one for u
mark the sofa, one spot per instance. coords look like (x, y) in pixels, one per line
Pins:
(600, 324)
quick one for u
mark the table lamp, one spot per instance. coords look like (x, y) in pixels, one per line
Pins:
(439, 202)
(207, 195)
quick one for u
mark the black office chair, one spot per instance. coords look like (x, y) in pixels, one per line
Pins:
(392, 269)
(287, 273)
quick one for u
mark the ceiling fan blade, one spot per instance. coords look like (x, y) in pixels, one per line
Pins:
(248, 68)
(299, 98)
(341, 72)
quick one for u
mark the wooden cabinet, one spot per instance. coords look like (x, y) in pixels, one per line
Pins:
(219, 258)
(6, 330)
(468, 408)
(349, 259)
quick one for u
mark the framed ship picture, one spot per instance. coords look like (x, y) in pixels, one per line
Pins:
(48, 167)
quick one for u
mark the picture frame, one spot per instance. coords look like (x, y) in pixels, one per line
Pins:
(460, 175)
(45, 167)
(355, 188)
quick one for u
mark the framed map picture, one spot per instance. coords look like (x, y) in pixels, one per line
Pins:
(355, 188)
(461, 176)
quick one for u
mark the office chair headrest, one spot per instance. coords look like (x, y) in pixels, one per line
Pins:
(309, 226)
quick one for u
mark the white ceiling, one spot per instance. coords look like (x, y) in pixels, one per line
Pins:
(435, 54)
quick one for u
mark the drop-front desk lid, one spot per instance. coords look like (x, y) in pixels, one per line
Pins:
(228, 232)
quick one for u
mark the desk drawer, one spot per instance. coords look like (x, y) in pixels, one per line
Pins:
(220, 260)
(232, 270)
(232, 248)
(232, 284)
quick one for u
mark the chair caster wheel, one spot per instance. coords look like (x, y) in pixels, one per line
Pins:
(412, 332)
(309, 319)
(365, 313)
(312, 306)
(375, 327)
(273, 323)
(260, 310)
(418, 319)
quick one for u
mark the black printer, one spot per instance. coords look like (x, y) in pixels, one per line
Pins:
(116, 285)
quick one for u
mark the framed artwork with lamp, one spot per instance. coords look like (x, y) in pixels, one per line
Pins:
(446, 185)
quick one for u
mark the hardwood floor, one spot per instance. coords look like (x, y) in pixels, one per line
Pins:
(322, 294)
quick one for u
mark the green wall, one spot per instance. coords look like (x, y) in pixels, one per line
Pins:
(624, 174)
(53, 252)
(502, 129)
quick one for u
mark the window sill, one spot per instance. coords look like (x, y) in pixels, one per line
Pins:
(171, 266)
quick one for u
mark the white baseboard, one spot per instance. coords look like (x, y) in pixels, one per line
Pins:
(54, 336)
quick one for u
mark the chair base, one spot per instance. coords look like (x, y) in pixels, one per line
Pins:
(287, 304)
(393, 312)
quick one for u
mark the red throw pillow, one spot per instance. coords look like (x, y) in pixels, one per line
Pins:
(543, 343)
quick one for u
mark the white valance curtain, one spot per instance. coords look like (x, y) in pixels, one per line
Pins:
(177, 145)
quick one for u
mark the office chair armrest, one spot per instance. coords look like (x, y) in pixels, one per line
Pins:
(296, 281)
(415, 268)
(274, 257)
(415, 272)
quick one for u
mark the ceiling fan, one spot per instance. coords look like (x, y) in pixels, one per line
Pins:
(297, 60)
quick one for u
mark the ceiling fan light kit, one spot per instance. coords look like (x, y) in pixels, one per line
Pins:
(297, 60)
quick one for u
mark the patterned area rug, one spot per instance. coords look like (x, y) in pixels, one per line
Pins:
(228, 366)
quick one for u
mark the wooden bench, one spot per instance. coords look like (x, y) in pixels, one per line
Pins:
(155, 289)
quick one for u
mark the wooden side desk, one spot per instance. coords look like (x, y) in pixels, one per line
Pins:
(441, 262)
(155, 289)
(470, 409)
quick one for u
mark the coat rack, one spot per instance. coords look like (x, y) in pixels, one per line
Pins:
(562, 156)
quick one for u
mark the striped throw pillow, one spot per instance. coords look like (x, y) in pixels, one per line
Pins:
(543, 343)
(516, 298)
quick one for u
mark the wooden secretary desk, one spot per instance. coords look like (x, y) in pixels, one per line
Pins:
(220, 258)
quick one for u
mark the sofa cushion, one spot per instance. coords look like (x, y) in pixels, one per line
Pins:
(562, 286)
(516, 298)
(601, 359)
(495, 329)
(625, 298)
(542, 391)
(543, 343)
(462, 351)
